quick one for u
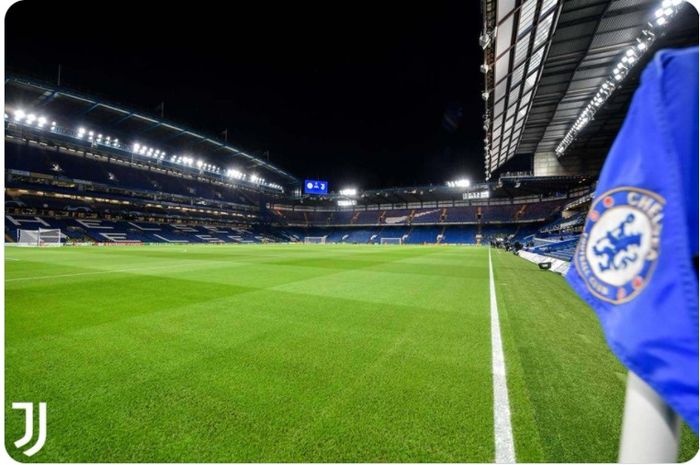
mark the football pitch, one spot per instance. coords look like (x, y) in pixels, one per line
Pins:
(278, 353)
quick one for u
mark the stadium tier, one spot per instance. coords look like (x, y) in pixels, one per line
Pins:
(95, 194)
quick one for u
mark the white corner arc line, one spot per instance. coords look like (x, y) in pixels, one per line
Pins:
(503, 430)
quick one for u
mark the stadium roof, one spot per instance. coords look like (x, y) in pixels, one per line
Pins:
(590, 38)
(516, 38)
(132, 125)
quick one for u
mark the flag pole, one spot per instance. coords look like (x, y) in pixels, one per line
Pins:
(651, 431)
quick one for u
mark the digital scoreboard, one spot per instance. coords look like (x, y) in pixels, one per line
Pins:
(314, 186)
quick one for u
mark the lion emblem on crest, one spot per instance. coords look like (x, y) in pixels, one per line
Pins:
(619, 246)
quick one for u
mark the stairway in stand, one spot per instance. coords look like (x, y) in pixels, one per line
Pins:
(441, 236)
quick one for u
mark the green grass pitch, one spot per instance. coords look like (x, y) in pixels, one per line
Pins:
(299, 353)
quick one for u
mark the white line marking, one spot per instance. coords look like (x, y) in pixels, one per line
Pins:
(13, 259)
(503, 431)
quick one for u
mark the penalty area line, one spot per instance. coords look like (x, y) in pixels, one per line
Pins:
(503, 430)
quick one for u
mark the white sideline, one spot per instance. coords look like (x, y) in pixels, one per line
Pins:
(503, 431)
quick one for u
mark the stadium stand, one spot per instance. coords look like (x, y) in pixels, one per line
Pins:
(108, 193)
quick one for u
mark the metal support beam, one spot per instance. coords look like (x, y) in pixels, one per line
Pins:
(122, 119)
(89, 109)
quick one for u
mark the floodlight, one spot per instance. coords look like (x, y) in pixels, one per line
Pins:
(233, 173)
(19, 115)
(459, 183)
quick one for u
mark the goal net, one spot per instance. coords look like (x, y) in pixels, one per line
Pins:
(391, 240)
(39, 238)
(315, 239)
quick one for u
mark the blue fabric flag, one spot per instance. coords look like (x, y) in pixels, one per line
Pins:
(636, 261)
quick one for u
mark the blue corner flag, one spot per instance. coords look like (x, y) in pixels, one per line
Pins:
(636, 262)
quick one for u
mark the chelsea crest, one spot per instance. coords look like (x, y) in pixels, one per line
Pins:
(619, 247)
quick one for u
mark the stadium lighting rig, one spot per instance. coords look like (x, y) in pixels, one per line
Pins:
(459, 183)
(234, 173)
(629, 58)
(148, 152)
(31, 119)
(94, 138)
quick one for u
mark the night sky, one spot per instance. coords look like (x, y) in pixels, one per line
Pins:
(352, 92)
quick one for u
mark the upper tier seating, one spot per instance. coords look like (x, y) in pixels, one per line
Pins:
(416, 216)
(52, 162)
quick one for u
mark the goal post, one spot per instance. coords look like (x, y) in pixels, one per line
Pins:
(39, 237)
(315, 239)
(391, 240)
